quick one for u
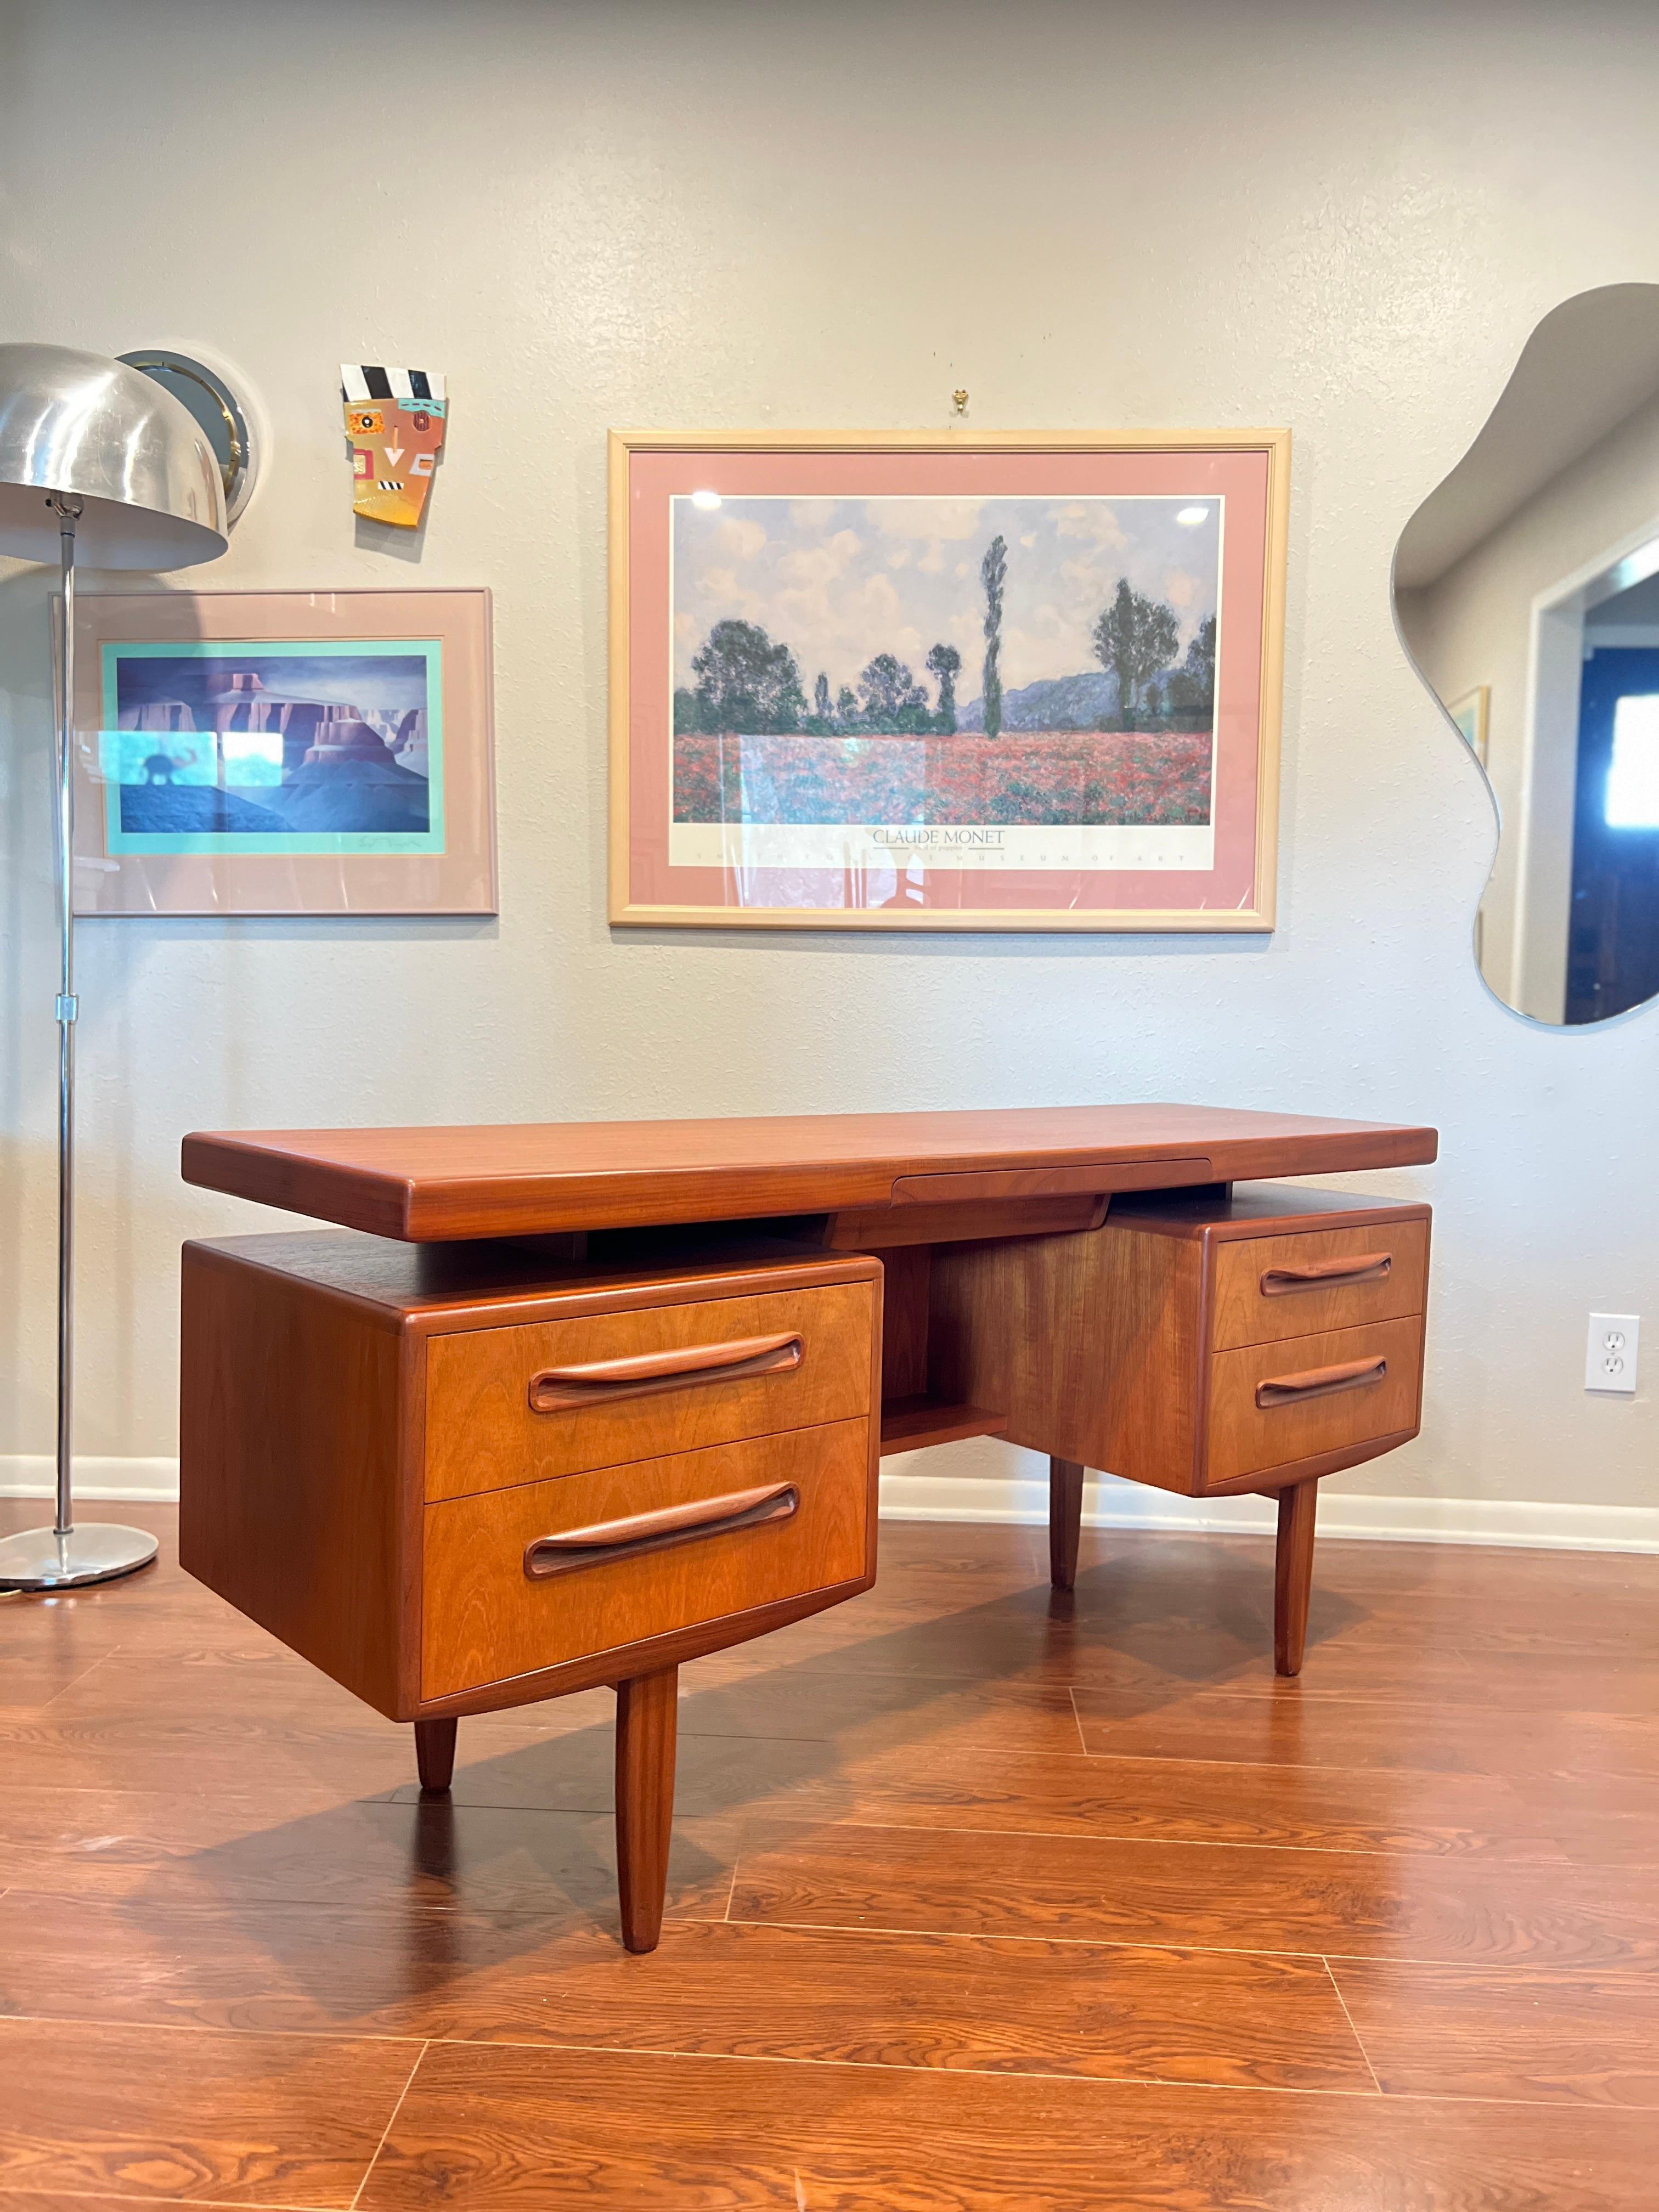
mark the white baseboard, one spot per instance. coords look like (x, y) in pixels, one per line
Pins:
(912, 1495)
(140, 1481)
(912, 1491)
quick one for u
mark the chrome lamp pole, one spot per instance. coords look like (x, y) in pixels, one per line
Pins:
(97, 462)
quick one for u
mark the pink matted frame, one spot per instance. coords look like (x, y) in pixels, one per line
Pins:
(1251, 468)
(460, 879)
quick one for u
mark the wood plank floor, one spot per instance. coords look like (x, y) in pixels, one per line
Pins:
(981, 1897)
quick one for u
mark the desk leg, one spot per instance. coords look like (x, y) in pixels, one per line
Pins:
(647, 1710)
(434, 1752)
(1065, 1520)
(1293, 1574)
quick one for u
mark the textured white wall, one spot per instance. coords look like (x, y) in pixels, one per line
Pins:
(715, 214)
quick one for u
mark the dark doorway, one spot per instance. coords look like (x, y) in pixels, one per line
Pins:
(1613, 932)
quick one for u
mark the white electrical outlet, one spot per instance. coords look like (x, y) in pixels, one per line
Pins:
(1610, 1355)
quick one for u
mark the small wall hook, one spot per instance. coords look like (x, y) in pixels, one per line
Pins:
(959, 401)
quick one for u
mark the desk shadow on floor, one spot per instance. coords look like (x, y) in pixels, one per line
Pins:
(436, 1891)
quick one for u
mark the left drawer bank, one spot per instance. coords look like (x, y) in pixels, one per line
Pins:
(334, 1384)
(460, 1477)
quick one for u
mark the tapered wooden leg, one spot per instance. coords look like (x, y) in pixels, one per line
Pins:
(1065, 1520)
(1293, 1574)
(648, 1711)
(434, 1752)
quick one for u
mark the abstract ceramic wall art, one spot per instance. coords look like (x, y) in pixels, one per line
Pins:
(395, 419)
(909, 682)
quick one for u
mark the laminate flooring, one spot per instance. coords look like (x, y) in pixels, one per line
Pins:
(981, 1897)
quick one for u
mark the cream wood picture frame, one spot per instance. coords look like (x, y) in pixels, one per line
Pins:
(1472, 712)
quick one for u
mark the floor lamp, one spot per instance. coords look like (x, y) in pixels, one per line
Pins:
(97, 464)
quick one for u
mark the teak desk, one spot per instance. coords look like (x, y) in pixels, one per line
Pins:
(573, 1403)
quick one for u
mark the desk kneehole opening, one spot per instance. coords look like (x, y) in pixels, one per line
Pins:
(646, 1374)
(1319, 1383)
(638, 1535)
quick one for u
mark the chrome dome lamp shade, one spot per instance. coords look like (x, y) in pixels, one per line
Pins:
(76, 427)
(101, 464)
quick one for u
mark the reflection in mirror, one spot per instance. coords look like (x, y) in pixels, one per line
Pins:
(1527, 588)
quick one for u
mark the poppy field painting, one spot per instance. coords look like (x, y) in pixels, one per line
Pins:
(900, 686)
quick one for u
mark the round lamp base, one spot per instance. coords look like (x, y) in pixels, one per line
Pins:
(41, 1559)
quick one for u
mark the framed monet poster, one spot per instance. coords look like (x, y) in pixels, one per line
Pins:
(946, 681)
(285, 752)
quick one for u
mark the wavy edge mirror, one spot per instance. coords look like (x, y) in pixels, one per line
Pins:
(1535, 558)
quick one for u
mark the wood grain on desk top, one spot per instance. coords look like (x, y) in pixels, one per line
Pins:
(435, 1183)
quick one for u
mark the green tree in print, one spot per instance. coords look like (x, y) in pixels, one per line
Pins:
(944, 665)
(1192, 688)
(747, 685)
(993, 571)
(821, 722)
(890, 698)
(1135, 638)
(1200, 655)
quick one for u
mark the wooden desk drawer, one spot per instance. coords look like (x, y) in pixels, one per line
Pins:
(485, 1387)
(784, 1515)
(1271, 1287)
(1273, 1404)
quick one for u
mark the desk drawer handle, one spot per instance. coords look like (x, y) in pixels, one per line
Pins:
(605, 1382)
(1324, 1274)
(1319, 1383)
(640, 1532)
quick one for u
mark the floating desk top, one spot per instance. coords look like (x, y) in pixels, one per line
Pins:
(431, 1185)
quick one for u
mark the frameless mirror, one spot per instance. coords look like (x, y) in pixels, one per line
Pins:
(1527, 589)
(218, 408)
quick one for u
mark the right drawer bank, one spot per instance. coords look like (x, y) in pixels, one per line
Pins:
(1203, 1342)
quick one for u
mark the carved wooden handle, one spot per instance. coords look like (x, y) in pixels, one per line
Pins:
(606, 1381)
(1319, 1383)
(1320, 1274)
(639, 1533)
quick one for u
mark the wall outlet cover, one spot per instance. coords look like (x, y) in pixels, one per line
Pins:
(1611, 1353)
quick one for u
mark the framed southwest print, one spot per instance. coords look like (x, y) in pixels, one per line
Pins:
(285, 752)
(943, 680)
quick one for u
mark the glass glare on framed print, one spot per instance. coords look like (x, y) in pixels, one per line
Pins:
(285, 752)
(929, 681)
